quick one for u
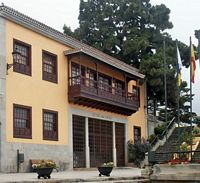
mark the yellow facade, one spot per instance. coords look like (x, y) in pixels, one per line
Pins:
(58, 110)
(138, 119)
(40, 94)
(32, 90)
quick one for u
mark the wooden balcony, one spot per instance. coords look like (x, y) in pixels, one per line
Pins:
(90, 93)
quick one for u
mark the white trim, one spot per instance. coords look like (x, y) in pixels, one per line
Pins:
(97, 115)
(114, 146)
(70, 138)
(87, 148)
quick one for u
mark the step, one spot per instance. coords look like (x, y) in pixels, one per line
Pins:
(124, 181)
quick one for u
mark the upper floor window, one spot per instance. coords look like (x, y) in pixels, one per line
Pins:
(119, 87)
(75, 74)
(92, 78)
(105, 83)
(22, 121)
(49, 63)
(50, 125)
(23, 63)
(136, 93)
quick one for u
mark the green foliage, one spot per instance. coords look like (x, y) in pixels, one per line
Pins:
(151, 138)
(184, 148)
(129, 30)
(196, 130)
(137, 151)
(159, 129)
(45, 164)
(185, 136)
(67, 30)
(108, 164)
(197, 120)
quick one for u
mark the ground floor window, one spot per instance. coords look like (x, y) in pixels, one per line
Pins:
(50, 125)
(137, 134)
(22, 121)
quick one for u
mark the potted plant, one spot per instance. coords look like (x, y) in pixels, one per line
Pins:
(45, 168)
(105, 168)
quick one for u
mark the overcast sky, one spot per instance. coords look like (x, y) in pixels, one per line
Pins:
(184, 16)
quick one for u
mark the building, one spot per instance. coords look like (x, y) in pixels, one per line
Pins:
(63, 100)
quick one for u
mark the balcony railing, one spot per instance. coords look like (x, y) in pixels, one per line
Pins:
(96, 94)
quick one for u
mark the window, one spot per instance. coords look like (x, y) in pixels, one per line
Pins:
(105, 83)
(50, 125)
(75, 70)
(49, 63)
(119, 87)
(23, 64)
(136, 93)
(137, 134)
(22, 121)
(92, 78)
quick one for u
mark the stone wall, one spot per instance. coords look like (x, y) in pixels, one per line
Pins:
(60, 154)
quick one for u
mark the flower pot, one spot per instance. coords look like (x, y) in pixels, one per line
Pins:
(44, 172)
(105, 171)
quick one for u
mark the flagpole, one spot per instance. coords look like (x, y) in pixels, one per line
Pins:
(191, 97)
(165, 80)
(178, 98)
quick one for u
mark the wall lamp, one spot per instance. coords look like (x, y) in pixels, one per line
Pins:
(16, 56)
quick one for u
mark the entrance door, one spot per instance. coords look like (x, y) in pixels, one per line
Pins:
(79, 158)
(100, 142)
(120, 143)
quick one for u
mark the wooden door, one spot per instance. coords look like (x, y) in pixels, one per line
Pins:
(120, 143)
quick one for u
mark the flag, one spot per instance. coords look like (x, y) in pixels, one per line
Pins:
(193, 64)
(179, 66)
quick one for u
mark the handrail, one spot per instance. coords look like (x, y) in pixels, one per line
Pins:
(164, 132)
(168, 127)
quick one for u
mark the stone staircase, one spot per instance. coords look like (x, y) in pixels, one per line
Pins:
(172, 142)
(162, 153)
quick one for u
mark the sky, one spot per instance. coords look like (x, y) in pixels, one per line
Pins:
(184, 16)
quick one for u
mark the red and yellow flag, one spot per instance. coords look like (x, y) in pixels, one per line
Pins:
(193, 64)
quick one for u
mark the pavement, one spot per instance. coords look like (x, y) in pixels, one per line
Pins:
(74, 176)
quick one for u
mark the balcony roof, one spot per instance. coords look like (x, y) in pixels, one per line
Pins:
(106, 59)
(76, 46)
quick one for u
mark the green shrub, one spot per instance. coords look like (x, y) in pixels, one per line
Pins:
(151, 138)
(137, 151)
(196, 130)
(159, 129)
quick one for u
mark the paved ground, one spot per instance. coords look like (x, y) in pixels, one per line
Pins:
(72, 176)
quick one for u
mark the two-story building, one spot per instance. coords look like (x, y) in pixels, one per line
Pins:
(63, 100)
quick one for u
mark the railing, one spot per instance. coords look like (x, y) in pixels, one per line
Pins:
(160, 137)
(174, 157)
(104, 90)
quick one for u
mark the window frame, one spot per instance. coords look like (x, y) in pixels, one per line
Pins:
(17, 67)
(136, 92)
(79, 77)
(47, 76)
(48, 137)
(15, 135)
(140, 138)
(119, 91)
(92, 77)
(103, 85)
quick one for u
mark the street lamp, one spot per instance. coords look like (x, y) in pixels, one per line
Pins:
(16, 56)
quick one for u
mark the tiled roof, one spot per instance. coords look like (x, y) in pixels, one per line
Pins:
(77, 46)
